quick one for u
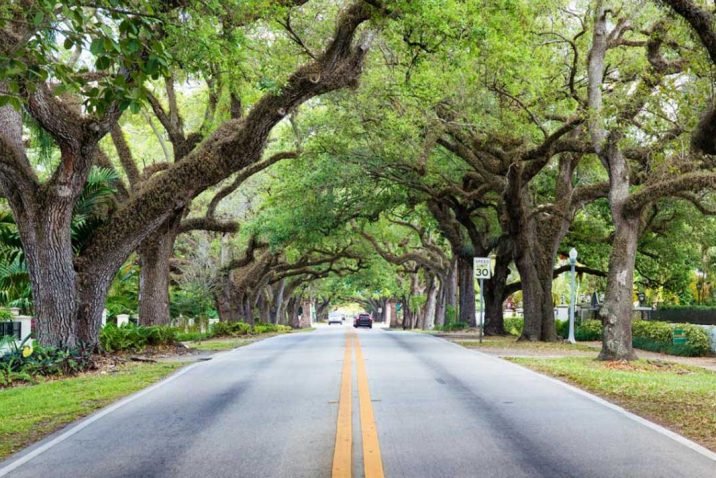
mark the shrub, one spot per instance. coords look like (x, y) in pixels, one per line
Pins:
(261, 328)
(513, 326)
(135, 338)
(588, 330)
(654, 331)
(44, 361)
(659, 336)
(697, 339)
(5, 315)
(562, 328)
(452, 326)
(230, 329)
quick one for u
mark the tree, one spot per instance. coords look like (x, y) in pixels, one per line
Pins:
(646, 94)
(69, 291)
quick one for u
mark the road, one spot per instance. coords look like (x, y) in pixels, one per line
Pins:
(271, 409)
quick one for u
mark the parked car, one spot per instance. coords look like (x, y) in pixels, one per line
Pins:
(363, 320)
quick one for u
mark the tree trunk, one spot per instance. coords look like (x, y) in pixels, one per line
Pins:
(247, 309)
(407, 314)
(616, 311)
(45, 233)
(94, 286)
(466, 287)
(537, 300)
(495, 292)
(277, 302)
(431, 305)
(440, 305)
(155, 254)
(394, 320)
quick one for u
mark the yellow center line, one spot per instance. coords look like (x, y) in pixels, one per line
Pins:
(343, 453)
(372, 461)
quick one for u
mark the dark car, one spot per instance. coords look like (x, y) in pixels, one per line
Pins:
(363, 320)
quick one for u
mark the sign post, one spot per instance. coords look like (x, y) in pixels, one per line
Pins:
(481, 266)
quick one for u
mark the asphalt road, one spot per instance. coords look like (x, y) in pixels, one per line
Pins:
(270, 409)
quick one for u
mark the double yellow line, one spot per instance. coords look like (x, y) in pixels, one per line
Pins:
(343, 453)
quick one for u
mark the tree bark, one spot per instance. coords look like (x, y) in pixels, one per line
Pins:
(394, 320)
(155, 254)
(431, 305)
(277, 302)
(495, 291)
(45, 234)
(466, 290)
(616, 311)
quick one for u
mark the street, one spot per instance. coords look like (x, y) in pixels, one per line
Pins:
(274, 408)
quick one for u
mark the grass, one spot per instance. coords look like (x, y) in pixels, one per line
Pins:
(512, 343)
(679, 397)
(228, 343)
(31, 412)
(213, 345)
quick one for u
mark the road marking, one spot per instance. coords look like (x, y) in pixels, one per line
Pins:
(343, 453)
(372, 461)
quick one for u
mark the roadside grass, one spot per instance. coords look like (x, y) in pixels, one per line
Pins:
(29, 413)
(511, 342)
(679, 397)
(215, 345)
(228, 343)
(298, 331)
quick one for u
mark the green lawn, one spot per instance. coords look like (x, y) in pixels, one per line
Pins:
(31, 412)
(211, 345)
(512, 343)
(680, 397)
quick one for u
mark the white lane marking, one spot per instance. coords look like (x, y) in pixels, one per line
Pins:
(90, 420)
(653, 426)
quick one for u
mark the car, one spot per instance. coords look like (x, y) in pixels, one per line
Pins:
(336, 319)
(363, 320)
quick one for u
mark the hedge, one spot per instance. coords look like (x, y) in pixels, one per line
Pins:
(654, 336)
(692, 314)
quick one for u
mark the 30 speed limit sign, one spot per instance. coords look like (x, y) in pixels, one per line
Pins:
(482, 267)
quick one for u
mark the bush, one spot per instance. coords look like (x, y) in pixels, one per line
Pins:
(135, 338)
(44, 361)
(588, 330)
(654, 331)
(261, 328)
(230, 329)
(659, 337)
(694, 314)
(562, 328)
(513, 326)
(452, 326)
(697, 339)
(238, 329)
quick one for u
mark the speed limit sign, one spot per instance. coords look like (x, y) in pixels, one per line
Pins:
(482, 267)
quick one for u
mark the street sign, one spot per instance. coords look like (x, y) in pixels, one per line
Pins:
(482, 267)
(679, 337)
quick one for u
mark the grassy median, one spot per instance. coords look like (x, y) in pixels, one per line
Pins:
(31, 412)
(679, 397)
